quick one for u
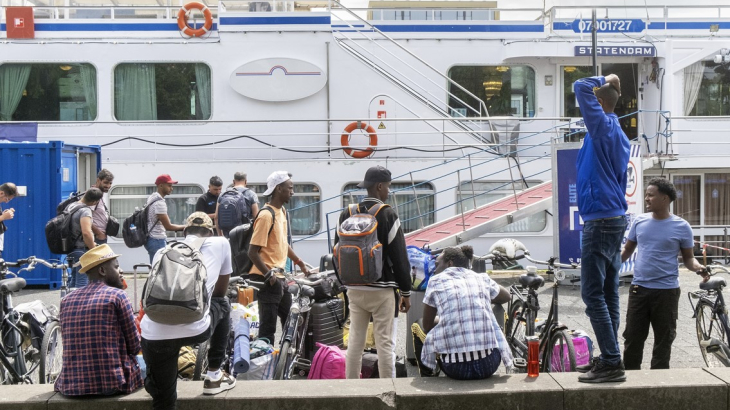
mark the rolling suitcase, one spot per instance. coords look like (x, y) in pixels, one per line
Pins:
(326, 321)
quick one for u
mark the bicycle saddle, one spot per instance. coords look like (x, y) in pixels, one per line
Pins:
(713, 284)
(11, 285)
(531, 281)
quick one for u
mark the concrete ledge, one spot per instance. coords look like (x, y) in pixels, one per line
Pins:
(706, 389)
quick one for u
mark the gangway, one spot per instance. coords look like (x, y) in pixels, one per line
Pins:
(469, 225)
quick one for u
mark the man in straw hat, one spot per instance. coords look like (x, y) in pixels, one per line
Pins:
(99, 335)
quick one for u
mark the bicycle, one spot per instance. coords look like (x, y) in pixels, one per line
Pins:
(710, 314)
(556, 348)
(19, 341)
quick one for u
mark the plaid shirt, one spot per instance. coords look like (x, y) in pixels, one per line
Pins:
(466, 322)
(100, 342)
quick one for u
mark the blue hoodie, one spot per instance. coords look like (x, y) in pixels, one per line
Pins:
(603, 158)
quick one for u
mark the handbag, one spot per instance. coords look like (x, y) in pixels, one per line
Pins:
(112, 226)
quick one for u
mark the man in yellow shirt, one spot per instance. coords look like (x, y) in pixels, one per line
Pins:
(269, 250)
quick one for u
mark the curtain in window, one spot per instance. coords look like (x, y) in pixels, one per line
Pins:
(135, 95)
(202, 81)
(687, 205)
(88, 79)
(692, 80)
(13, 78)
(717, 199)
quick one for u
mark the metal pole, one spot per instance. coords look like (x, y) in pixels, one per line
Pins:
(329, 123)
(461, 204)
(514, 191)
(473, 191)
(418, 206)
(594, 40)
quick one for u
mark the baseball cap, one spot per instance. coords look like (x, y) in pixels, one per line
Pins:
(165, 179)
(374, 175)
(200, 219)
(275, 179)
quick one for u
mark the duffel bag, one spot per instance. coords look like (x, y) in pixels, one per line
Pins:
(329, 288)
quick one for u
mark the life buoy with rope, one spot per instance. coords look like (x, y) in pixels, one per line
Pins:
(182, 20)
(359, 153)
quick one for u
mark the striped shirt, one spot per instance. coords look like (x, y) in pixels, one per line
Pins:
(100, 342)
(467, 328)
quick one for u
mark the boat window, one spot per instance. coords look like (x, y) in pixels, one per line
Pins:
(506, 90)
(717, 199)
(485, 192)
(423, 15)
(123, 199)
(408, 209)
(306, 220)
(48, 92)
(707, 89)
(687, 204)
(162, 92)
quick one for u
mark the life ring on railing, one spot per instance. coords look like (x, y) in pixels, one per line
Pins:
(182, 19)
(359, 153)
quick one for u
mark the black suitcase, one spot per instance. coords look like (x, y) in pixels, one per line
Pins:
(326, 321)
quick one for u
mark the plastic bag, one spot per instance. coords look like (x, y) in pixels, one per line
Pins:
(261, 368)
(422, 266)
(250, 313)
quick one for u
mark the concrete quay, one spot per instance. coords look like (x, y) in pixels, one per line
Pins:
(689, 388)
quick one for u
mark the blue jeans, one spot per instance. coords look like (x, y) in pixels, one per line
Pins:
(77, 280)
(600, 264)
(475, 369)
(153, 245)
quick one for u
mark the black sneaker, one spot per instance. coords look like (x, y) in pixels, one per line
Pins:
(603, 372)
(226, 382)
(585, 368)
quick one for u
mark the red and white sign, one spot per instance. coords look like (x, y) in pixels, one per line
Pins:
(19, 22)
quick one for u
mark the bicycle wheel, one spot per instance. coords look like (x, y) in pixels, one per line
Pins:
(517, 330)
(201, 361)
(709, 328)
(51, 353)
(560, 353)
(281, 364)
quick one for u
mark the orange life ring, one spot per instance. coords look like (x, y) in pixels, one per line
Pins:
(358, 153)
(182, 19)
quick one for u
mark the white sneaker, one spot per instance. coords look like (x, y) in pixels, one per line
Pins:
(226, 382)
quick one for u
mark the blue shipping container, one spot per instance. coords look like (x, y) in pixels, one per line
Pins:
(48, 172)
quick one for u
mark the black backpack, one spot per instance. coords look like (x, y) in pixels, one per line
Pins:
(59, 237)
(233, 209)
(240, 240)
(134, 229)
(74, 197)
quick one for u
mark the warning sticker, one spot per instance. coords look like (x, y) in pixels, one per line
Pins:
(381, 126)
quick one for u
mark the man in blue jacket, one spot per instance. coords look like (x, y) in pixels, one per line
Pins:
(602, 163)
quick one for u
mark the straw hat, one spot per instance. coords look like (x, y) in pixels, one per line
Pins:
(95, 257)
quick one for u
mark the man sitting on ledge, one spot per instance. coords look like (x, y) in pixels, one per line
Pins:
(100, 339)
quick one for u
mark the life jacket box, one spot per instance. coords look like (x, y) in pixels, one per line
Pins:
(246, 295)
(326, 321)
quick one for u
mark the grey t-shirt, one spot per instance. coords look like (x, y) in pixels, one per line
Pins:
(159, 207)
(84, 212)
(251, 199)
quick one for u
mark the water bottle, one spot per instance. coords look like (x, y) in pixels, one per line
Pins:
(132, 229)
(533, 356)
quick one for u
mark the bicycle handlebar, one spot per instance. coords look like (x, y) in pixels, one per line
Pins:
(552, 263)
(709, 268)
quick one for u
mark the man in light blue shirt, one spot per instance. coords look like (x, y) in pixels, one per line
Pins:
(654, 293)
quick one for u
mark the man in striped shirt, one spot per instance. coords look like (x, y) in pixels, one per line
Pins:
(378, 299)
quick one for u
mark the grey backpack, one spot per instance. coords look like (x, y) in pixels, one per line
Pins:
(358, 255)
(175, 292)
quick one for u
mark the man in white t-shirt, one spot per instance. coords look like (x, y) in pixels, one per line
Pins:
(161, 343)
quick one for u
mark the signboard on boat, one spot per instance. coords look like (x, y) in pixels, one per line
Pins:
(617, 51)
(568, 223)
(609, 25)
(278, 79)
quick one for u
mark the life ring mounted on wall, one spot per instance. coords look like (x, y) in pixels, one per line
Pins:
(182, 20)
(354, 152)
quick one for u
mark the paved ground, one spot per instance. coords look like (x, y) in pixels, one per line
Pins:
(685, 350)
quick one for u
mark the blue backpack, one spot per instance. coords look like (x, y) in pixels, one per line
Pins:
(233, 209)
(422, 266)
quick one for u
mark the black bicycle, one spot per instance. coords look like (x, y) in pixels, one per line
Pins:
(31, 350)
(710, 314)
(557, 353)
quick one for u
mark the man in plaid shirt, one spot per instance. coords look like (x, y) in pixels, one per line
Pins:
(99, 335)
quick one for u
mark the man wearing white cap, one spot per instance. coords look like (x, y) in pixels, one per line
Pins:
(269, 250)
(100, 339)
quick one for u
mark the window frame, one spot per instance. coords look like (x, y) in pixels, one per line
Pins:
(690, 116)
(525, 119)
(113, 91)
(65, 62)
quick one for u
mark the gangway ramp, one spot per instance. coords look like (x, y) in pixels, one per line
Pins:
(469, 225)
